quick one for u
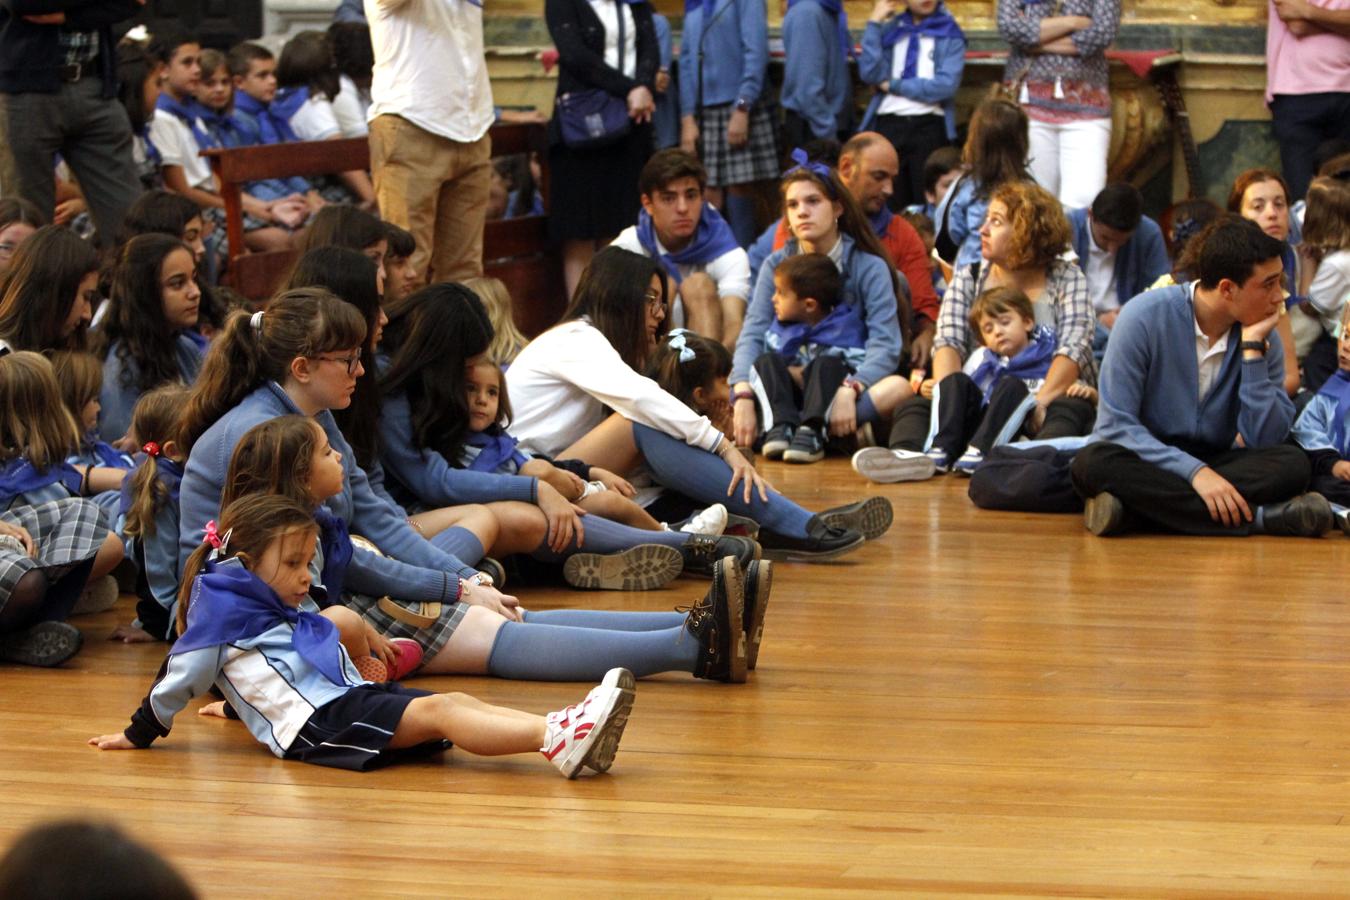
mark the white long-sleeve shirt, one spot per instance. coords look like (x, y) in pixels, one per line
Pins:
(562, 381)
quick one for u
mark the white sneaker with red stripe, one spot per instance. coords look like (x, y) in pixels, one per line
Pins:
(588, 733)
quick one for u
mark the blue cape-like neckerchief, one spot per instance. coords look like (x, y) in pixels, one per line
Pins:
(939, 25)
(19, 477)
(494, 448)
(1032, 362)
(843, 327)
(108, 455)
(189, 114)
(881, 221)
(272, 128)
(230, 604)
(336, 543)
(711, 239)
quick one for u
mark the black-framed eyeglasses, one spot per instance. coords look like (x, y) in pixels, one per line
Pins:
(351, 362)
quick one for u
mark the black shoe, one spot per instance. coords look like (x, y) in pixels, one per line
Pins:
(808, 446)
(718, 621)
(702, 552)
(872, 517)
(758, 583)
(1307, 515)
(777, 441)
(821, 542)
(45, 644)
(494, 570)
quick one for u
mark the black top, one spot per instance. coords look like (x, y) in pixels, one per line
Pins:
(580, 38)
(30, 54)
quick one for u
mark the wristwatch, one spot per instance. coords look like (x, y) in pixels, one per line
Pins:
(743, 105)
(1259, 346)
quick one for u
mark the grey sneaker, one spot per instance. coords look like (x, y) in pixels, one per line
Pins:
(886, 466)
(46, 644)
(1104, 515)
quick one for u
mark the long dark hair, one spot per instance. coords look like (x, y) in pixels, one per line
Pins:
(612, 293)
(159, 212)
(853, 222)
(135, 321)
(38, 290)
(431, 336)
(250, 351)
(339, 225)
(307, 59)
(351, 276)
(996, 145)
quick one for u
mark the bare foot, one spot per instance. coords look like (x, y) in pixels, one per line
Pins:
(216, 709)
(130, 634)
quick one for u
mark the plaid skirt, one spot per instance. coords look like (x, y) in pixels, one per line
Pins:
(431, 638)
(66, 534)
(756, 161)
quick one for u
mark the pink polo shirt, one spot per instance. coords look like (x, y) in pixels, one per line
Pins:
(1315, 64)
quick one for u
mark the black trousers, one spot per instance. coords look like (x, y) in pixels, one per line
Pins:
(1164, 500)
(964, 420)
(914, 137)
(1302, 122)
(1334, 489)
(790, 406)
(797, 133)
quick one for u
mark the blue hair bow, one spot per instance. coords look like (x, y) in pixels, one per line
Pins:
(677, 342)
(820, 170)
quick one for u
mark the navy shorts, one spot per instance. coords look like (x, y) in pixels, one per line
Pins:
(353, 731)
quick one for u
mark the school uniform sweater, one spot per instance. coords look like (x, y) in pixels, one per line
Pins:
(427, 478)
(1150, 381)
(866, 287)
(157, 553)
(1139, 262)
(121, 388)
(876, 65)
(816, 85)
(414, 569)
(732, 39)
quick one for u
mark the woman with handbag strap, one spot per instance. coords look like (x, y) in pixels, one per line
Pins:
(600, 135)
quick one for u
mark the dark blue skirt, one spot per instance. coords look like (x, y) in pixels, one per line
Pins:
(353, 731)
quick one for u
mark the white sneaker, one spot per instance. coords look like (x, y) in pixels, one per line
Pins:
(98, 596)
(588, 733)
(712, 521)
(887, 466)
(592, 487)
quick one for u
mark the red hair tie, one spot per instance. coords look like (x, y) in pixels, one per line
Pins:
(151, 449)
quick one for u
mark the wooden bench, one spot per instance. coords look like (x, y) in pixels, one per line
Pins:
(515, 250)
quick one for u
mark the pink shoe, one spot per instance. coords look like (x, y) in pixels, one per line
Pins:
(408, 660)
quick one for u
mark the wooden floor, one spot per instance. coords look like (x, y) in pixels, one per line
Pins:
(978, 703)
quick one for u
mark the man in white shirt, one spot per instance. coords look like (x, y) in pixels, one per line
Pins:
(431, 108)
(695, 245)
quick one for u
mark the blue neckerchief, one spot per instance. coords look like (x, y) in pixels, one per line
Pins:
(336, 543)
(19, 477)
(1032, 362)
(496, 447)
(289, 100)
(229, 604)
(843, 327)
(107, 455)
(711, 239)
(881, 221)
(272, 129)
(221, 126)
(836, 9)
(189, 114)
(201, 340)
(1337, 387)
(170, 475)
(939, 25)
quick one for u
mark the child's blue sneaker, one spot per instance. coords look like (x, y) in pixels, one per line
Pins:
(939, 458)
(969, 461)
(777, 441)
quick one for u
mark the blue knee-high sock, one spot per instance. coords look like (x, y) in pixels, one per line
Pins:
(741, 217)
(606, 620)
(606, 536)
(704, 476)
(460, 543)
(867, 410)
(556, 653)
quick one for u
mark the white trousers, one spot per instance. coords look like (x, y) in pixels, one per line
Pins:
(1069, 159)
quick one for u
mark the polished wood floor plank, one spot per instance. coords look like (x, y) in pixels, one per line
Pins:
(977, 704)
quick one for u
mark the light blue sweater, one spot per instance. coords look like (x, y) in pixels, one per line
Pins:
(867, 286)
(735, 52)
(964, 220)
(816, 86)
(414, 569)
(876, 64)
(1150, 381)
(428, 477)
(118, 397)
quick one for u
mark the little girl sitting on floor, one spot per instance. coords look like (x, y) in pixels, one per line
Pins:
(79, 376)
(242, 629)
(489, 448)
